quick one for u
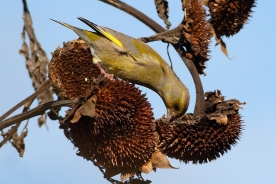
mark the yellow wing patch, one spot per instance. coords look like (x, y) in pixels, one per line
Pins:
(110, 37)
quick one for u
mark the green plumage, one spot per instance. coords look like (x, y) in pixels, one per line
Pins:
(133, 60)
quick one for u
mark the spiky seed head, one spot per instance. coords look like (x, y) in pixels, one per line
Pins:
(122, 136)
(229, 16)
(204, 139)
(197, 31)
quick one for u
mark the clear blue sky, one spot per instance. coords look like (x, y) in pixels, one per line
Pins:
(249, 76)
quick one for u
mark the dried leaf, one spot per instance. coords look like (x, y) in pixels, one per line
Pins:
(18, 142)
(7, 133)
(41, 121)
(87, 109)
(162, 9)
(147, 168)
(159, 160)
(221, 43)
(36, 59)
(220, 119)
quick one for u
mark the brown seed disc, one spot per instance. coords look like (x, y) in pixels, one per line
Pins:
(122, 134)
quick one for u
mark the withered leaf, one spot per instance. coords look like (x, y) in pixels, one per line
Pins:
(35, 57)
(147, 168)
(18, 142)
(7, 133)
(159, 160)
(220, 119)
(162, 9)
(220, 42)
(87, 109)
(42, 121)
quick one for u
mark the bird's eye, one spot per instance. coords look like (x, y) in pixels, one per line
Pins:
(176, 107)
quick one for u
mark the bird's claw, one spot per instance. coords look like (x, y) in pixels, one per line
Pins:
(106, 75)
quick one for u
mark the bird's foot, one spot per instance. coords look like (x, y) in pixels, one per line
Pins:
(109, 76)
(106, 75)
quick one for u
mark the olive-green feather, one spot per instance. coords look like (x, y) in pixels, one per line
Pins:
(131, 59)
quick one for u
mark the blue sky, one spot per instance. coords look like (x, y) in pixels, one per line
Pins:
(249, 76)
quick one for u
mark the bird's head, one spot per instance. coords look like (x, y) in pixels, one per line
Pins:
(177, 102)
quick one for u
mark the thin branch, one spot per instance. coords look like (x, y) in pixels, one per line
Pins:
(27, 103)
(171, 36)
(46, 85)
(199, 106)
(135, 13)
(162, 9)
(39, 110)
(200, 102)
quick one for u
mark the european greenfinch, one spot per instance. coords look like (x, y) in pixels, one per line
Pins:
(133, 60)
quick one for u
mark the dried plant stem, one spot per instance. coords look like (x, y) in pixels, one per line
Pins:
(39, 110)
(46, 85)
(27, 103)
(135, 13)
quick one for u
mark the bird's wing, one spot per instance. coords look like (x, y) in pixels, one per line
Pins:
(123, 47)
(128, 46)
(98, 29)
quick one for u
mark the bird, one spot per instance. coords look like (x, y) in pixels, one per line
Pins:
(133, 60)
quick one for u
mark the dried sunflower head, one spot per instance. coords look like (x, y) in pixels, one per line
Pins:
(229, 16)
(71, 70)
(121, 136)
(197, 33)
(205, 138)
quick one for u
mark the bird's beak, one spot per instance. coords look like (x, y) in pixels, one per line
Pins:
(78, 31)
(170, 115)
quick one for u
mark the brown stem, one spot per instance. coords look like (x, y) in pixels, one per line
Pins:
(200, 102)
(199, 106)
(170, 36)
(27, 103)
(39, 110)
(46, 85)
(135, 13)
